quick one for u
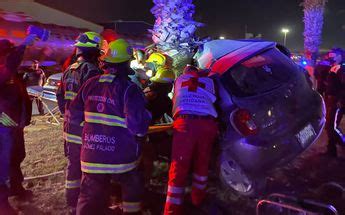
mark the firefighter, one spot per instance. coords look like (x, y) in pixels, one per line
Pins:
(334, 98)
(195, 131)
(88, 50)
(15, 114)
(161, 85)
(159, 103)
(113, 109)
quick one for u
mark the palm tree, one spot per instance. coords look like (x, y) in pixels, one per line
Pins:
(174, 30)
(313, 23)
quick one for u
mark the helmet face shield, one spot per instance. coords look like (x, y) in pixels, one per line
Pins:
(85, 39)
(89, 40)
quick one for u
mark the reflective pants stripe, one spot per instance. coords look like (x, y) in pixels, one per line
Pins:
(173, 189)
(199, 186)
(199, 177)
(174, 200)
(72, 184)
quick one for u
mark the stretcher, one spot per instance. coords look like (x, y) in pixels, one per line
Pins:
(49, 102)
(288, 205)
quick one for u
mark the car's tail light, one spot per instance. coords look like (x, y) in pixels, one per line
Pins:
(243, 122)
(58, 83)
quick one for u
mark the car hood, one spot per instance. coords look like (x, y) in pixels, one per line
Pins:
(221, 55)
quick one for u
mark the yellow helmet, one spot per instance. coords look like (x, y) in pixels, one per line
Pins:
(89, 40)
(157, 58)
(163, 75)
(118, 52)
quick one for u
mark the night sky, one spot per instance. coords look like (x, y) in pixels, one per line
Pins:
(223, 17)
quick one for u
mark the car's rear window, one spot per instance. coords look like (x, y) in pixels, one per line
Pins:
(259, 74)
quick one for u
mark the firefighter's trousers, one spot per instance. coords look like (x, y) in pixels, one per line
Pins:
(95, 191)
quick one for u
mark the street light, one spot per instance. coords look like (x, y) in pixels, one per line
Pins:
(285, 31)
(222, 38)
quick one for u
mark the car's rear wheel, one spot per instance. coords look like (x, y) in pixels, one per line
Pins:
(234, 179)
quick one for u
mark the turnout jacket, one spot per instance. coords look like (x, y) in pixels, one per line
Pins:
(113, 109)
(74, 77)
(15, 105)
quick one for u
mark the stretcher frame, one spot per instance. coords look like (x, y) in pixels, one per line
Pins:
(52, 113)
(294, 204)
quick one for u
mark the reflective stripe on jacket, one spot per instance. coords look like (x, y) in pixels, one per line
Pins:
(108, 168)
(74, 77)
(105, 119)
(72, 138)
(113, 109)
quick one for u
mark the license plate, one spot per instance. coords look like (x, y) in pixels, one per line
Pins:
(305, 135)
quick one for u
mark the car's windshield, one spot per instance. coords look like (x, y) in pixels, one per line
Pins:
(259, 74)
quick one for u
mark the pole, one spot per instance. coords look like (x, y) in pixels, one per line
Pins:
(285, 38)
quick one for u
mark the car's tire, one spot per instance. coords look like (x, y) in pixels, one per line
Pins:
(235, 181)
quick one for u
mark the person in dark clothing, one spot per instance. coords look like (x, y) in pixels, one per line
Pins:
(160, 86)
(35, 77)
(88, 50)
(321, 74)
(334, 97)
(15, 114)
(159, 103)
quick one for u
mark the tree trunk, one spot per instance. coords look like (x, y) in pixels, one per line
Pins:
(174, 30)
(313, 22)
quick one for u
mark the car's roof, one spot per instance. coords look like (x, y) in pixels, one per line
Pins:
(220, 55)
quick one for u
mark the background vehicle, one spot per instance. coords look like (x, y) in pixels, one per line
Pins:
(53, 82)
(269, 111)
(50, 88)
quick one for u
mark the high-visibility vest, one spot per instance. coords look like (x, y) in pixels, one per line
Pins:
(195, 95)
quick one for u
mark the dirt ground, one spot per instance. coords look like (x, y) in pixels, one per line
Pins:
(302, 177)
